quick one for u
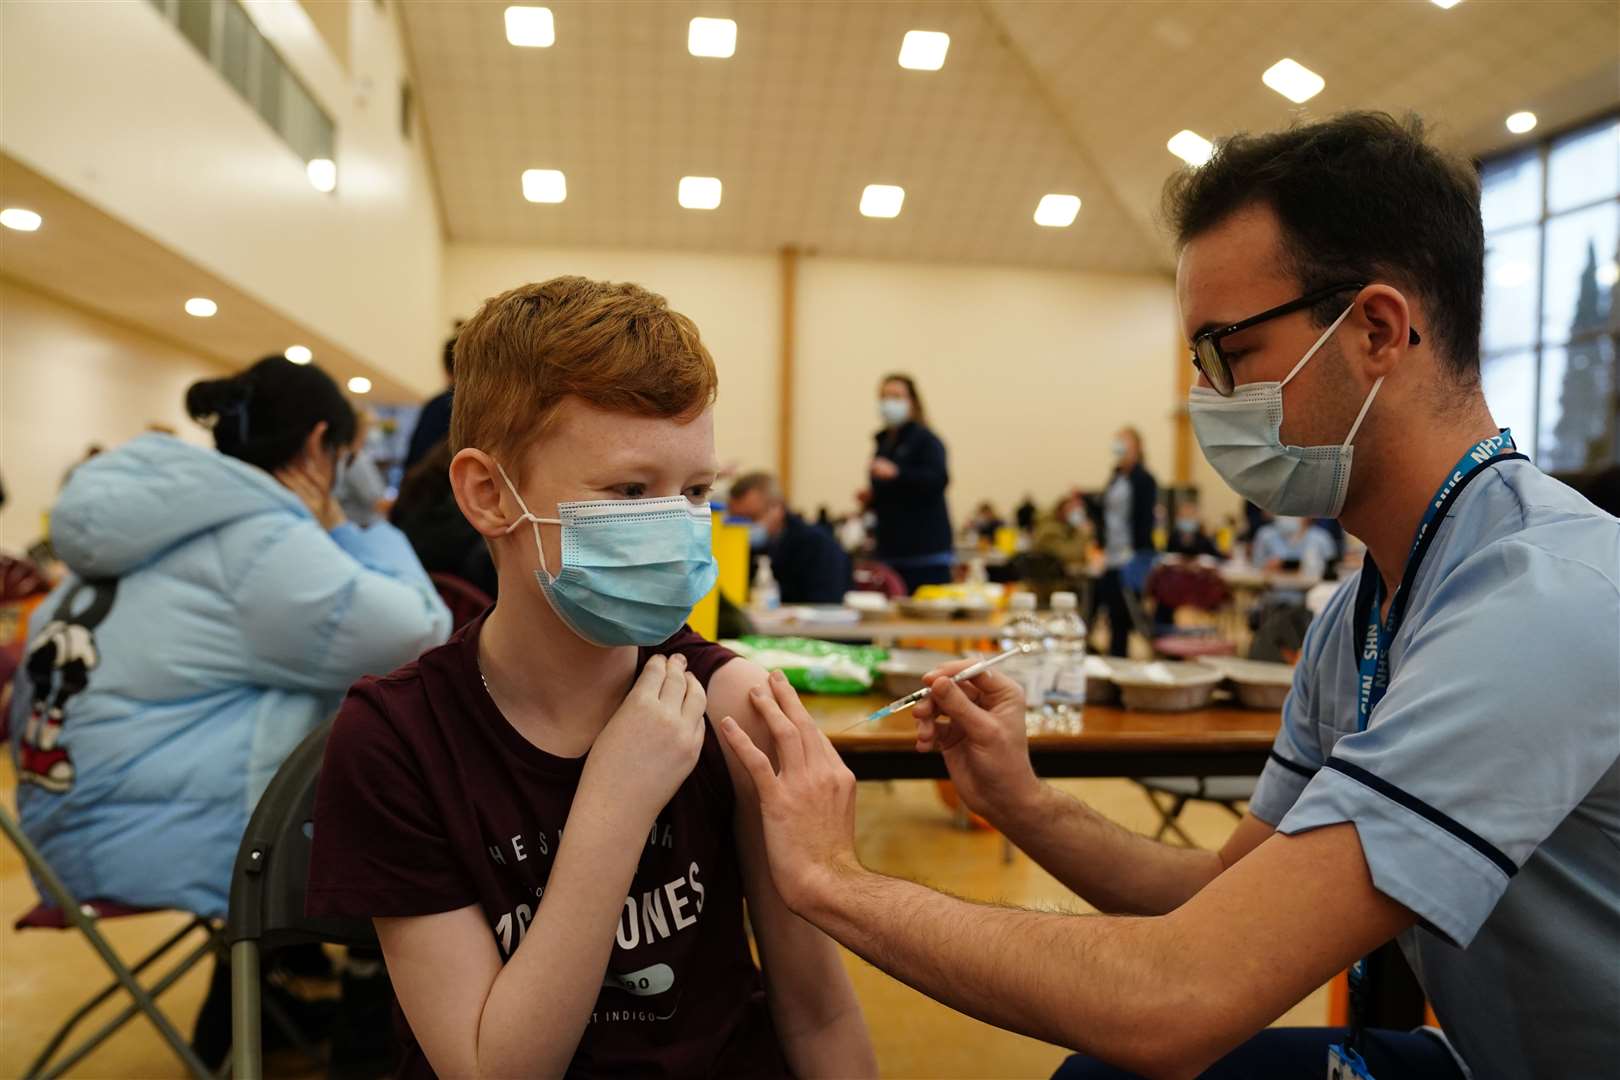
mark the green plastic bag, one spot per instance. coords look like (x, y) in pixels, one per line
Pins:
(813, 666)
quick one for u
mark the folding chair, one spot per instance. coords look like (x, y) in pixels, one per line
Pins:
(68, 912)
(267, 894)
(1223, 791)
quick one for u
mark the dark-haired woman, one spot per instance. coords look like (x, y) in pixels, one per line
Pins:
(908, 477)
(218, 607)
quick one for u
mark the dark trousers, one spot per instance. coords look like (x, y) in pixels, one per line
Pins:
(1290, 1053)
(1110, 596)
(923, 574)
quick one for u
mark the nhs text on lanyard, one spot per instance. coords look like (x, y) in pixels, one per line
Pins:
(1346, 1062)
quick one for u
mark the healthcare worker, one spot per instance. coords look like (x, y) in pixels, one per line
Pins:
(908, 476)
(1448, 768)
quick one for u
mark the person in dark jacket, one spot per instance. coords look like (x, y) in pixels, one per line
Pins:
(1187, 537)
(426, 512)
(433, 422)
(909, 477)
(809, 565)
(1123, 517)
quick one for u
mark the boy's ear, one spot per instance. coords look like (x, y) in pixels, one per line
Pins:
(481, 493)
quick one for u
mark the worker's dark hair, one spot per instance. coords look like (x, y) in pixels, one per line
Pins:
(1360, 197)
(917, 412)
(263, 415)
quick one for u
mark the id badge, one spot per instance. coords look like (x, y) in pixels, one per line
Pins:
(1343, 1064)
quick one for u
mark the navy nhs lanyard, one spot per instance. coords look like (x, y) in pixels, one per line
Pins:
(1373, 663)
(1377, 635)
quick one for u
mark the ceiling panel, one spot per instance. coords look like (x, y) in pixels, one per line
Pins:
(1034, 98)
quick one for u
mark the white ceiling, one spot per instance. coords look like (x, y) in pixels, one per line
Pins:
(1034, 97)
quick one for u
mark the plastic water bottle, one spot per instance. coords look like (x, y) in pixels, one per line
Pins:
(1067, 631)
(764, 594)
(1032, 671)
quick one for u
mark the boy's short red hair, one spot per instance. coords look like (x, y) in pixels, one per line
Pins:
(614, 345)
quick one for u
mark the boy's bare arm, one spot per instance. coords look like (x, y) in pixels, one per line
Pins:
(812, 1002)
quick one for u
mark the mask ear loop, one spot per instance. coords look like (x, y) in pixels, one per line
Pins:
(1319, 343)
(527, 516)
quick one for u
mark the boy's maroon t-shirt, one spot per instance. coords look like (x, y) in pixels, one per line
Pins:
(430, 801)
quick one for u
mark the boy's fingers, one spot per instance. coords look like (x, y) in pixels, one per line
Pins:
(696, 699)
(673, 689)
(752, 757)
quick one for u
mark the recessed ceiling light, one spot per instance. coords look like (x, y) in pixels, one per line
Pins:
(299, 354)
(201, 307)
(1293, 80)
(544, 185)
(712, 37)
(924, 50)
(882, 200)
(15, 217)
(1057, 211)
(1447, 4)
(1609, 274)
(322, 174)
(1191, 147)
(1521, 122)
(530, 27)
(359, 385)
(699, 192)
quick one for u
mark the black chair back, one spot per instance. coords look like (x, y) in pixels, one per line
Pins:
(272, 865)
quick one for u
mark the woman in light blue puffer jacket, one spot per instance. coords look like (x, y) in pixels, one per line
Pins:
(218, 608)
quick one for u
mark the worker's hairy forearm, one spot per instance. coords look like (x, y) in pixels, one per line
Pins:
(1113, 869)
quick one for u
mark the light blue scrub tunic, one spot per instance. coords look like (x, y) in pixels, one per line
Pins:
(1486, 787)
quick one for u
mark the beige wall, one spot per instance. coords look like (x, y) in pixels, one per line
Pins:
(112, 103)
(69, 379)
(1026, 374)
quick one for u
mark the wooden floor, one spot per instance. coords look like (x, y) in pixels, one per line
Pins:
(903, 829)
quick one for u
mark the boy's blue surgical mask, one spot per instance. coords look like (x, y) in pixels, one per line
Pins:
(632, 569)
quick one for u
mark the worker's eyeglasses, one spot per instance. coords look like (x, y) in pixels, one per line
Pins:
(1209, 358)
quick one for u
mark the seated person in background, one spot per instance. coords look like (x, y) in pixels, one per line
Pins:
(360, 489)
(426, 512)
(1293, 540)
(982, 526)
(218, 607)
(583, 432)
(1188, 538)
(1064, 533)
(810, 565)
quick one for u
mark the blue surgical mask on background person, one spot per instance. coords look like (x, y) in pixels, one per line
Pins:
(759, 537)
(632, 569)
(1186, 526)
(1118, 448)
(895, 411)
(1241, 436)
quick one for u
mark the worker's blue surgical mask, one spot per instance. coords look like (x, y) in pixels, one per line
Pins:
(895, 411)
(759, 537)
(1241, 436)
(632, 569)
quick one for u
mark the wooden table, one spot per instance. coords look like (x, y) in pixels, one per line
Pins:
(1219, 741)
(887, 631)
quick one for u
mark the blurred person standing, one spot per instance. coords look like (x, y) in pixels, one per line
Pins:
(433, 422)
(909, 476)
(809, 564)
(1123, 517)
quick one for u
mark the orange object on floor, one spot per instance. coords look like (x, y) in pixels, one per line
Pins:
(948, 796)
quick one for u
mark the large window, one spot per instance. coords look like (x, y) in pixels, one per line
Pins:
(223, 33)
(1552, 328)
